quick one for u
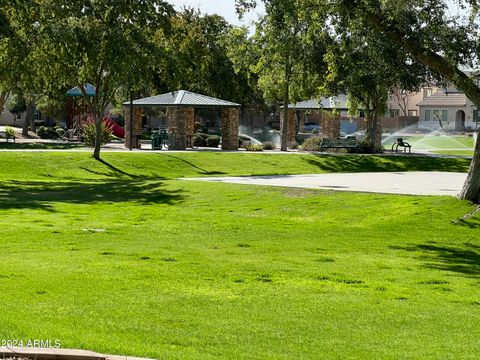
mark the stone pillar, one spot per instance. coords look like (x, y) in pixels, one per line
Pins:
(301, 123)
(330, 126)
(179, 119)
(190, 121)
(136, 135)
(291, 126)
(230, 125)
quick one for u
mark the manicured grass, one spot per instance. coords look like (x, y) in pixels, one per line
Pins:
(436, 142)
(40, 146)
(455, 152)
(61, 166)
(119, 257)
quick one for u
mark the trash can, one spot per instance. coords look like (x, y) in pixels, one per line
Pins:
(156, 141)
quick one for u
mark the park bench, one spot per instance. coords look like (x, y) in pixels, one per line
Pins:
(401, 143)
(349, 142)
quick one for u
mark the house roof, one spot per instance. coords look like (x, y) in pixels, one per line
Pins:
(333, 102)
(76, 92)
(183, 98)
(440, 98)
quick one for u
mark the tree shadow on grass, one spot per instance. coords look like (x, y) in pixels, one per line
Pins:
(472, 223)
(463, 259)
(41, 195)
(202, 171)
(115, 172)
(372, 163)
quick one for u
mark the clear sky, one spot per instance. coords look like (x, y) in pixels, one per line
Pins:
(225, 8)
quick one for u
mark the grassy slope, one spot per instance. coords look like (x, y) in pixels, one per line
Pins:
(72, 166)
(150, 266)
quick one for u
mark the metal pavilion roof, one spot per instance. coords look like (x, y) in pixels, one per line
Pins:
(76, 92)
(333, 102)
(183, 98)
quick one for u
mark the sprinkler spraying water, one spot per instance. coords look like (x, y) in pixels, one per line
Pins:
(259, 137)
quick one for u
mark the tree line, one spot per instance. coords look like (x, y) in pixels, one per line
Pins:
(299, 49)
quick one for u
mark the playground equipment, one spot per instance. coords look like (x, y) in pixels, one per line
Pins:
(78, 113)
(117, 130)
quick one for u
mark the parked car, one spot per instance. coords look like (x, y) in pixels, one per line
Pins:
(311, 127)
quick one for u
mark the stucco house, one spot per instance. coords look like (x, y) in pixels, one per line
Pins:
(449, 109)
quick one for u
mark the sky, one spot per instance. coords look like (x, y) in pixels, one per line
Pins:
(225, 8)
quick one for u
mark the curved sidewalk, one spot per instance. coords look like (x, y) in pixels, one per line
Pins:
(407, 183)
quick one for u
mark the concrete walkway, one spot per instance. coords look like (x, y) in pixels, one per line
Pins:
(33, 353)
(409, 183)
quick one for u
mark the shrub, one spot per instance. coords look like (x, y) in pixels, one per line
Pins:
(199, 141)
(241, 140)
(213, 141)
(254, 147)
(293, 145)
(364, 147)
(312, 144)
(89, 133)
(45, 132)
(147, 134)
(10, 132)
(268, 145)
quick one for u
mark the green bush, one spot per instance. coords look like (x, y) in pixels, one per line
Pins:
(364, 147)
(199, 141)
(268, 145)
(10, 132)
(241, 140)
(45, 132)
(254, 147)
(312, 144)
(147, 134)
(293, 145)
(89, 133)
(213, 141)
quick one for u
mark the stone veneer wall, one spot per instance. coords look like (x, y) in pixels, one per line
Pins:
(230, 125)
(291, 126)
(179, 120)
(330, 126)
(137, 128)
(190, 121)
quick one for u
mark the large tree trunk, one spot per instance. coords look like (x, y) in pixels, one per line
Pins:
(471, 187)
(28, 117)
(3, 100)
(98, 137)
(373, 129)
(286, 101)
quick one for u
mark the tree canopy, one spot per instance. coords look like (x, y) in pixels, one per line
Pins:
(446, 44)
(109, 45)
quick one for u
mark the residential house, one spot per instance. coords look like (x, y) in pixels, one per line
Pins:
(448, 109)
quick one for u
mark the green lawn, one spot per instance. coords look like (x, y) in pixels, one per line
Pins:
(436, 142)
(455, 152)
(41, 146)
(120, 257)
